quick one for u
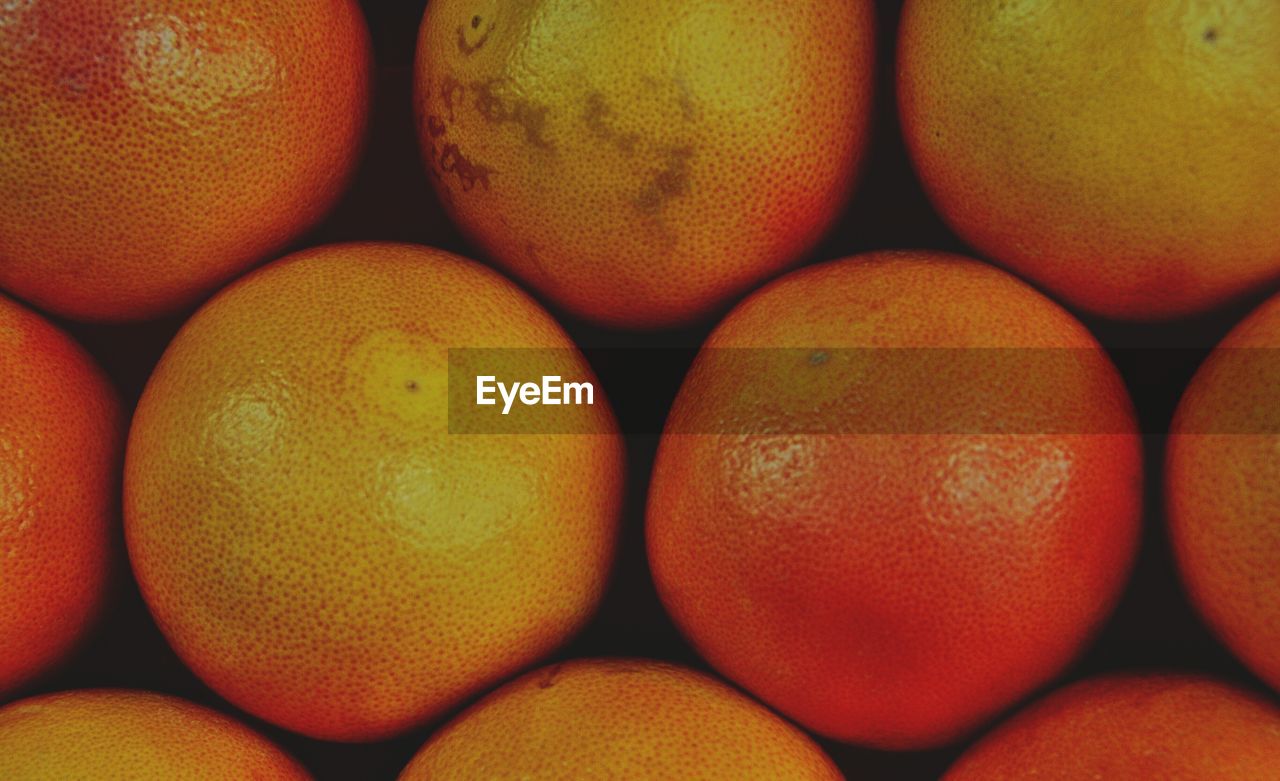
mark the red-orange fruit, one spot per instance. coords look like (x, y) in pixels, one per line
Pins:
(619, 719)
(641, 163)
(61, 437)
(118, 735)
(1133, 728)
(1120, 154)
(151, 150)
(890, 531)
(312, 535)
(1222, 489)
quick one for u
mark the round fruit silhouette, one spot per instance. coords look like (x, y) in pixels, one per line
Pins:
(117, 735)
(151, 150)
(1223, 490)
(1171, 727)
(895, 494)
(619, 718)
(1120, 155)
(641, 163)
(61, 437)
(309, 534)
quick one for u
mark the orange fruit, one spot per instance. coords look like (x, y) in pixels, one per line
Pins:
(642, 163)
(619, 718)
(151, 150)
(118, 735)
(61, 437)
(1133, 728)
(896, 493)
(1222, 490)
(1121, 155)
(312, 539)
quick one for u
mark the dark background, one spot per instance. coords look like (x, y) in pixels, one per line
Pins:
(390, 199)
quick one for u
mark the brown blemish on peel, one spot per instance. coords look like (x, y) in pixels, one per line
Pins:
(451, 88)
(496, 106)
(499, 108)
(671, 181)
(597, 116)
(469, 173)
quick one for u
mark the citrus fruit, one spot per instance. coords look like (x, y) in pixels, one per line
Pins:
(1222, 489)
(61, 438)
(896, 493)
(118, 735)
(1120, 154)
(150, 150)
(641, 163)
(1133, 728)
(619, 718)
(312, 539)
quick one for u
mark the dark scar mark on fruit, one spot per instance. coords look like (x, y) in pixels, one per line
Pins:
(597, 116)
(683, 97)
(411, 386)
(466, 47)
(451, 88)
(496, 107)
(499, 109)
(671, 181)
(448, 159)
(452, 161)
(1211, 34)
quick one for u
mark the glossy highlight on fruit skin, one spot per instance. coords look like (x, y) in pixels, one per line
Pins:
(1133, 728)
(61, 442)
(895, 589)
(310, 536)
(642, 163)
(1222, 490)
(121, 735)
(619, 718)
(151, 150)
(1121, 156)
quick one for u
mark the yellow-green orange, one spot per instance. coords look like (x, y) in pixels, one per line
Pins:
(150, 150)
(309, 535)
(640, 163)
(615, 719)
(117, 735)
(1120, 154)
